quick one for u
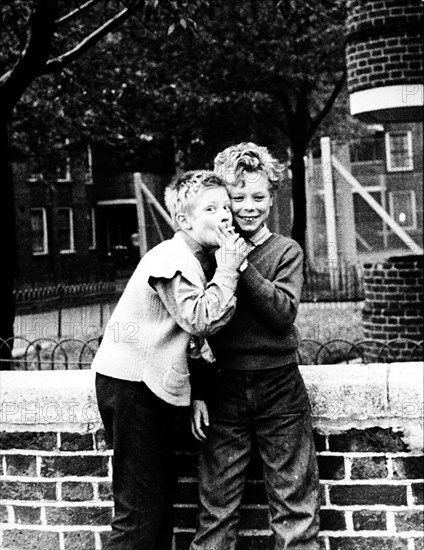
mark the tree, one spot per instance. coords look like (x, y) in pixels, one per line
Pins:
(250, 67)
(255, 66)
(288, 57)
(44, 37)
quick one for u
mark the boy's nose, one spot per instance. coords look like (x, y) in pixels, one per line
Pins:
(225, 216)
(248, 204)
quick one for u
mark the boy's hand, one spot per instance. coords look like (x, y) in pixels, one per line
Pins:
(199, 419)
(232, 249)
(225, 232)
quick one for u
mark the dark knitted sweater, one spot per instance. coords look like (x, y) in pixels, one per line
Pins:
(261, 334)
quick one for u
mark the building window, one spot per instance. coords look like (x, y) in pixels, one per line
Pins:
(91, 219)
(367, 150)
(65, 231)
(39, 231)
(399, 151)
(403, 208)
(63, 169)
(89, 177)
(35, 171)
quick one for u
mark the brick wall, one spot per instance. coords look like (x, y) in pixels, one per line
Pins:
(393, 304)
(384, 43)
(56, 467)
(55, 491)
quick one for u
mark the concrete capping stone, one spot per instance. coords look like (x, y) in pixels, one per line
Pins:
(61, 401)
(342, 396)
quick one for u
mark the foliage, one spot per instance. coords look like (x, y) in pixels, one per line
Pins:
(249, 70)
(72, 96)
(266, 67)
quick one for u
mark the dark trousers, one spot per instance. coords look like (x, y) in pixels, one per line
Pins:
(140, 428)
(271, 406)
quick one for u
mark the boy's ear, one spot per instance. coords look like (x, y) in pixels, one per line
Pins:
(182, 221)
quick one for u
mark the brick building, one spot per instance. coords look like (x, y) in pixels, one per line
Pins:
(56, 220)
(389, 166)
(75, 220)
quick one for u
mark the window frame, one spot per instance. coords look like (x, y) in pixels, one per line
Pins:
(67, 166)
(45, 250)
(92, 228)
(89, 180)
(376, 144)
(411, 193)
(70, 211)
(389, 160)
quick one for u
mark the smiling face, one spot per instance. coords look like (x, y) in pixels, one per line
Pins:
(210, 207)
(251, 201)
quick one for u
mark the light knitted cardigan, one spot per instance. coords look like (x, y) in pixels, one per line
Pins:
(142, 340)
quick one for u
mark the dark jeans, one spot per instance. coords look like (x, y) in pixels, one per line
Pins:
(272, 406)
(140, 428)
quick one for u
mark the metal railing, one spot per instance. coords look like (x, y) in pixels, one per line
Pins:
(72, 353)
(61, 290)
(60, 296)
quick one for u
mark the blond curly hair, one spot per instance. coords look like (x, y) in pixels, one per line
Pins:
(231, 163)
(181, 193)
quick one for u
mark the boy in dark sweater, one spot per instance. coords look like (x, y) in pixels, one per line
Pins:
(257, 392)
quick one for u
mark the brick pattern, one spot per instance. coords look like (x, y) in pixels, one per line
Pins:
(55, 489)
(371, 493)
(384, 43)
(393, 306)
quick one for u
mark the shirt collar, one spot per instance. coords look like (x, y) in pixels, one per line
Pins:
(197, 249)
(260, 236)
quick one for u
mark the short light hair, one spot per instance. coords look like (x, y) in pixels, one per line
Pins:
(231, 163)
(181, 193)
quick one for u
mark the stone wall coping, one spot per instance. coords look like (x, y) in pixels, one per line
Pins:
(342, 396)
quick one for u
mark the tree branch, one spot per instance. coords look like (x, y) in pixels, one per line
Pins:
(65, 59)
(75, 13)
(327, 108)
(34, 56)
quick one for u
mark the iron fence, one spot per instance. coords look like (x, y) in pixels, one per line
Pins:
(72, 353)
(60, 296)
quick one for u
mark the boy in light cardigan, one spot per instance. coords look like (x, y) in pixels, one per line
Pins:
(258, 392)
(141, 364)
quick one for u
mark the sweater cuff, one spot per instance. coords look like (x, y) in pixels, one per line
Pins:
(251, 276)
